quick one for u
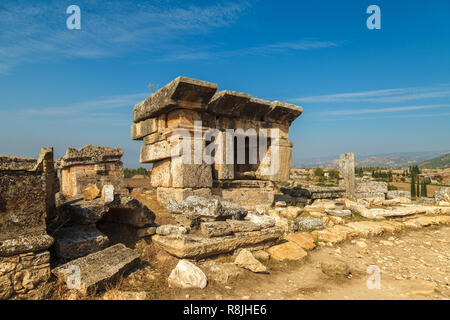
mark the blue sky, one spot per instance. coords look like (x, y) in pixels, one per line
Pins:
(365, 91)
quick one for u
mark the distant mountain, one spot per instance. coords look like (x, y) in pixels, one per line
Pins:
(391, 160)
(442, 162)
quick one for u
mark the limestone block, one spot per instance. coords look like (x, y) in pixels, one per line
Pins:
(304, 240)
(108, 193)
(153, 152)
(228, 103)
(152, 138)
(255, 109)
(246, 260)
(287, 251)
(100, 268)
(78, 241)
(179, 194)
(182, 117)
(283, 112)
(182, 92)
(144, 128)
(187, 275)
(347, 172)
(243, 226)
(161, 174)
(190, 175)
(215, 229)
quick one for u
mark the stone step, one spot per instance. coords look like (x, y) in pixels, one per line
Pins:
(78, 241)
(97, 269)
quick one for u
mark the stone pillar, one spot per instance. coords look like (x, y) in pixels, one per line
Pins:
(347, 171)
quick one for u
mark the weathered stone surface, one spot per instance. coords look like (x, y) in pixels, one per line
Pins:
(392, 194)
(115, 294)
(287, 251)
(335, 267)
(370, 189)
(389, 212)
(339, 213)
(78, 241)
(179, 194)
(326, 192)
(21, 244)
(304, 240)
(366, 228)
(347, 172)
(144, 128)
(243, 226)
(108, 193)
(99, 268)
(283, 112)
(89, 154)
(187, 275)
(291, 212)
(199, 247)
(228, 103)
(123, 209)
(182, 92)
(262, 220)
(329, 235)
(215, 229)
(221, 272)
(161, 175)
(246, 260)
(170, 229)
(443, 194)
(233, 210)
(307, 224)
(90, 193)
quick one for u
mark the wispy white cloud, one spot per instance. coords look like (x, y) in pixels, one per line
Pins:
(381, 96)
(34, 31)
(100, 108)
(383, 110)
(263, 50)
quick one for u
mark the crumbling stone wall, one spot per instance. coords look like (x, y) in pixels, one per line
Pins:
(27, 189)
(195, 107)
(79, 169)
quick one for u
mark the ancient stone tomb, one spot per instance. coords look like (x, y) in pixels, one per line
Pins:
(203, 142)
(27, 188)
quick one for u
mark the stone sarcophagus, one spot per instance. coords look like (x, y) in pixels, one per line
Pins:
(206, 142)
(81, 168)
(27, 197)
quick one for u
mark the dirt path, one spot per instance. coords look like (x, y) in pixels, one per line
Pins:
(414, 265)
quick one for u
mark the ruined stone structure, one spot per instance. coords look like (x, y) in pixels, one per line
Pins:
(89, 165)
(87, 226)
(196, 107)
(27, 191)
(347, 172)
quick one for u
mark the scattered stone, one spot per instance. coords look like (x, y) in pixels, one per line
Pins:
(222, 272)
(108, 193)
(115, 294)
(335, 267)
(291, 212)
(339, 213)
(170, 229)
(187, 275)
(245, 259)
(280, 204)
(90, 193)
(261, 220)
(304, 240)
(287, 251)
(261, 255)
(443, 194)
(361, 244)
(393, 194)
(386, 243)
(99, 268)
(308, 224)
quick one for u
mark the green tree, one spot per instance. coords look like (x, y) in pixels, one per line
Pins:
(318, 172)
(413, 187)
(418, 187)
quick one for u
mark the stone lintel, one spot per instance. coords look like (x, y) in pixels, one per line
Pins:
(144, 128)
(283, 112)
(89, 154)
(228, 103)
(182, 92)
(256, 109)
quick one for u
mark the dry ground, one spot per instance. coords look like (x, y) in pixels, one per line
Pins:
(413, 264)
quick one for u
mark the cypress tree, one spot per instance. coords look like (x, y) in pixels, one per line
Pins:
(418, 187)
(413, 187)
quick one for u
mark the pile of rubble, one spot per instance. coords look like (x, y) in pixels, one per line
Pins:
(209, 227)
